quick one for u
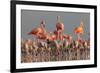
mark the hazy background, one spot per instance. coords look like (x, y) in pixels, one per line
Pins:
(32, 18)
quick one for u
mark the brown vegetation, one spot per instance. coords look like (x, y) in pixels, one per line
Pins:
(32, 51)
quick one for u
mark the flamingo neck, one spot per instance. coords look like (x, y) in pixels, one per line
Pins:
(58, 19)
(81, 24)
(42, 25)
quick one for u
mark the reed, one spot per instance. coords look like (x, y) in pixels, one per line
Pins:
(32, 51)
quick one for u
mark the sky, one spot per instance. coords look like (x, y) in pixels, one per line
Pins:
(32, 18)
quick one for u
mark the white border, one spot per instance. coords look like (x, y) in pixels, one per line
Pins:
(20, 65)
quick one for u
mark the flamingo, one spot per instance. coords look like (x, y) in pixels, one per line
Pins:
(58, 35)
(59, 28)
(43, 36)
(52, 36)
(79, 30)
(68, 37)
(59, 25)
(39, 31)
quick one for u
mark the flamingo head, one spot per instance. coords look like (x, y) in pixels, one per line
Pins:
(81, 24)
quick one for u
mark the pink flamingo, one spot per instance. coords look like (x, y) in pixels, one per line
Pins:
(79, 30)
(59, 28)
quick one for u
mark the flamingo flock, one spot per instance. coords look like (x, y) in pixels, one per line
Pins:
(56, 45)
(41, 33)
